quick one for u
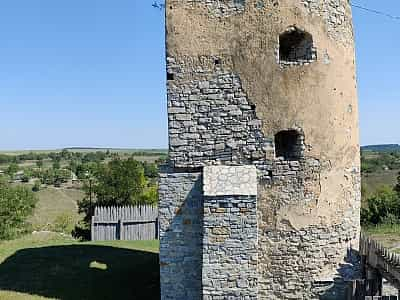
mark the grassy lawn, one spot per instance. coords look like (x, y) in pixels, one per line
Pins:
(49, 266)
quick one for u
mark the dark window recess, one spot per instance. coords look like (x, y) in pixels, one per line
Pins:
(170, 76)
(296, 46)
(289, 144)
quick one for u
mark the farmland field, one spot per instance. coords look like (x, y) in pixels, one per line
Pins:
(86, 150)
(373, 181)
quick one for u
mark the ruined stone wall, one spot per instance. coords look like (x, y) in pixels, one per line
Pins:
(229, 95)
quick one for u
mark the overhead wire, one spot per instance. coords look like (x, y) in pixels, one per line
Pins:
(377, 12)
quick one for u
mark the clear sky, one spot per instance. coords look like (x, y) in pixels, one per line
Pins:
(91, 73)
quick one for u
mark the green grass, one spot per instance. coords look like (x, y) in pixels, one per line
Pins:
(388, 235)
(54, 202)
(49, 266)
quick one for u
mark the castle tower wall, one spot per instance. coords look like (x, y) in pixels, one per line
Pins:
(270, 84)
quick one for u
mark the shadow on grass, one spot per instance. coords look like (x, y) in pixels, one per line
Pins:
(82, 272)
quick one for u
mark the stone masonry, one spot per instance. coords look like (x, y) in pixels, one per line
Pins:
(229, 233)
(260, 196)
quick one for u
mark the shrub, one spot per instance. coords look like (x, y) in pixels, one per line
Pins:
(16, 204)
(381, 208)
(63, 223)
(36, 186)
(25, 178)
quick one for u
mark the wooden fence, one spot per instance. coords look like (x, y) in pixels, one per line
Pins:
(125, 223)
(381, 298)
(377, 262)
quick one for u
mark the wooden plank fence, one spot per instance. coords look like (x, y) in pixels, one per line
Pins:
(124, 223)
(377, 262)
(381, 298)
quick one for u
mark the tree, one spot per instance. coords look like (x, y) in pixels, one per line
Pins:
(397, 186)
(12, 169)
(16, 204)
(120, 182)
(25, 178)
(150, 170)
(56, 165)
(39, 163)
(36, 186)
(382, 207)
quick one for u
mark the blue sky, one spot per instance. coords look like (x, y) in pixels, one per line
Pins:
(91, 73)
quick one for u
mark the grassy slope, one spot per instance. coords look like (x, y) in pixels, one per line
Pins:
(54, 202)
(374, 180)
(49, 266)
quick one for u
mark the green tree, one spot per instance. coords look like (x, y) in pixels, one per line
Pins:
(12, 169)
(16, 204)
(39, 163)
(25, 178)
(56, 165)
(36, 186)
(397, 186)
(120, 182)
(382, 206)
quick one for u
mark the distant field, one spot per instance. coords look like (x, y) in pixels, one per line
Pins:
(373, 180)
(49, 266)
(86, 150)
(54, 202)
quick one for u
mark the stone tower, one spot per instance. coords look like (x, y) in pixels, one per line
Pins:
(261, 195)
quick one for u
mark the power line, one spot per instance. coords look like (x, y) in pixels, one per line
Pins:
(377, 12)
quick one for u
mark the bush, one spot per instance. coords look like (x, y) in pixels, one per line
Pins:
(82, 231)
(16, 204)
(382, 207)
(36, 186)
(25, 178)
(63, 223)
